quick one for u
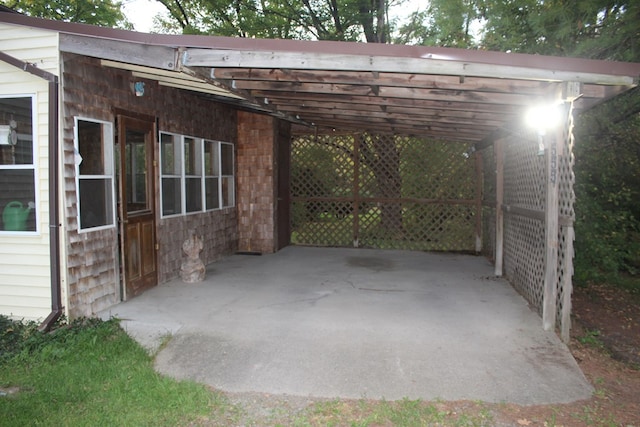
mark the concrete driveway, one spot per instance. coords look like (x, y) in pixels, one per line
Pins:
(355, 323)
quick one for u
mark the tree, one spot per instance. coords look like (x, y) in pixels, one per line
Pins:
(446, 23)
(105, 13)
(607, 149)
(344, 20)
(602, 29)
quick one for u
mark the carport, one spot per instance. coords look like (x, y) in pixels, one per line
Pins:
(517, 205)
(519, 214)
(520, 210)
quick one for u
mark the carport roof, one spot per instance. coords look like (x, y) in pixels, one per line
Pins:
(454, 94)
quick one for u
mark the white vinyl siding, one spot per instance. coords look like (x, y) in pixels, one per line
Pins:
(25, 283)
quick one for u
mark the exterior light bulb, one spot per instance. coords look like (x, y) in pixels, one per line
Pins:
(544, 117)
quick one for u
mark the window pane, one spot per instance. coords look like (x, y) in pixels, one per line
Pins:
(193, 193)
(171, 196)
(212, 193)
(17, 149)
(170, 153)
(192, 164)
(228, 194)
(95, 181)
(136, 172)
(91, 148)
(96, 202)
(227, 159)
(211, 163)
(17, 190)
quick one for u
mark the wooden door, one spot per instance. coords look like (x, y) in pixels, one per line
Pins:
(137, 205)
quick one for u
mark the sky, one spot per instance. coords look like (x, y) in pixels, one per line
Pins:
(142, 12)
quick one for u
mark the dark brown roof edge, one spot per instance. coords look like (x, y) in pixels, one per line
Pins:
(553, 63)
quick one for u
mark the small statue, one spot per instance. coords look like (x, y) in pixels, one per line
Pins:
(192, 269)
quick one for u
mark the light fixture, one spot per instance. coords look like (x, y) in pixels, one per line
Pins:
(544, 117)
(138, 88)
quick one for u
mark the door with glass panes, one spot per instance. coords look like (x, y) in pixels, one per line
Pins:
(137, 204)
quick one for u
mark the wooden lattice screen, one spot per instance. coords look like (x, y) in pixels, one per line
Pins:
(385, 191)
(525, 183)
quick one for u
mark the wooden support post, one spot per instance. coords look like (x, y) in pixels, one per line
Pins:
(356, 190)
(567, 287)
(551, 232)
(479, 181)
(498, 151)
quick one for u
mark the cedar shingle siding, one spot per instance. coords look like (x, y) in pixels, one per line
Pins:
(93, 91)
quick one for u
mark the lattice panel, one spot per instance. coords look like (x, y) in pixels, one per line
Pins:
(524, 245)
(566, 177)
(321, 223)
(525, 187)
(566, 199)
(383, 191)
(488, 202)
(524, 173)
(322, 167)
(380, 167)
(524, 257)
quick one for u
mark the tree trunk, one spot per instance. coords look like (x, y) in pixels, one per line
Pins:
(382, 155)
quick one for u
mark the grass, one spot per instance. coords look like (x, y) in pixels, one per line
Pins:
(405, 412)
(592, 338)
(90, 373)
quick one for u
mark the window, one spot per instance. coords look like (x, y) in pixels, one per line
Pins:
(212, 174)
(196, 174)
(17, 168)
(226, 166)
(193, 174)
(94, 172)
(171, 173)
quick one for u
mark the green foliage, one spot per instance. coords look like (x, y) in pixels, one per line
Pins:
(345, 20)
(607, 195)
(105, 13)
(446, 23)
(591, 28)
(591, 338)
(87, 373)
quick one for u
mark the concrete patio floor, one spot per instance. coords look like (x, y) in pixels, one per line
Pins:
(355, 323)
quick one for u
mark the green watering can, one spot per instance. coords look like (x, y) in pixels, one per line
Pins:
(14, 216)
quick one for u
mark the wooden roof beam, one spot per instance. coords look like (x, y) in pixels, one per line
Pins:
(482, 84)
(390, 92)
(416, 103)
(215, 58)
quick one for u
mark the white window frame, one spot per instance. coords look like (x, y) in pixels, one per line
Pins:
(109, 160)
(232, 192)
(33, 166)
(178, 153)
(201, 173)
(216, 175)
(195, 175)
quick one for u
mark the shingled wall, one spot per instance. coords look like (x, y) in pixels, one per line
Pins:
(255, 180)
(93, 91)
